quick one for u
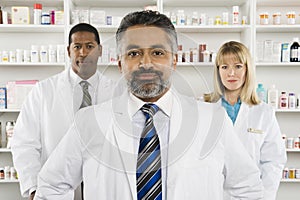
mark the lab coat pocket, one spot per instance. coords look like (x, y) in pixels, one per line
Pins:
(196, 179)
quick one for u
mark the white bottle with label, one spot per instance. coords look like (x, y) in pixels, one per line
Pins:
(273, 97)
(44, 54)
(52, 54)
(35, 56)
(292, 101)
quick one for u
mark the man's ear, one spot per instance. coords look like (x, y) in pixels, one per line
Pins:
(68, 49)
(174, 61)
(100, 50)
(119, 64)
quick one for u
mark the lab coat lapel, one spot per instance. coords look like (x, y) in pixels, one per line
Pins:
(124, 138)
(183, 129)
(242, 116)
(65, 93)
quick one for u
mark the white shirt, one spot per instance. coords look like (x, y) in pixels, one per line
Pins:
(78, 94)
(162, 125)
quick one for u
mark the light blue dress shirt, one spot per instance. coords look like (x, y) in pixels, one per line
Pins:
(232, 111)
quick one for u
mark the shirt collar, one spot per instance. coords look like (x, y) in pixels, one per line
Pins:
(228, 104)
(165, 103)
(75, 79)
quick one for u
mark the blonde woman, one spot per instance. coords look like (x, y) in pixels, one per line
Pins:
(254, 121)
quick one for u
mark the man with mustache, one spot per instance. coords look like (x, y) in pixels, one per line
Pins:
(51, 105)
(150, 143)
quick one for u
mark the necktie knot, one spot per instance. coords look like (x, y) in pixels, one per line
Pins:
(84, 85)
(86, 99)
(149, 110)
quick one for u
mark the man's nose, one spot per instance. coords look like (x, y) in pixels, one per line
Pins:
(83, 51)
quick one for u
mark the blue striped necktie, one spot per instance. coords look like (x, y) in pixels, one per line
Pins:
(148, 173)
(86, 98)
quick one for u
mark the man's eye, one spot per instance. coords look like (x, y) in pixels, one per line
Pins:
(90, 46)
(77, 47)
(158, 52)
(133, 53)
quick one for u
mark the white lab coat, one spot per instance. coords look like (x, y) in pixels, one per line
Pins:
(45, 117)
(258, 129)
(99, 147)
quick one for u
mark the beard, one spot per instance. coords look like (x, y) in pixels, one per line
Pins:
(147, 88)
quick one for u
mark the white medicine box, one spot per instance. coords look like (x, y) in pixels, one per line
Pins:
(20, 15)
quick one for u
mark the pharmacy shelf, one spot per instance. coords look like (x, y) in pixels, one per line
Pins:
(278, 28)
(293, 150)
(212, 3)
(9, 181)
(213, 29)
(288, 110)
(281, 64)
(113, 3)
(32, 64)
(290, 181)
(30, 28)
(30, 3)
(9, 110)
(5, 150)
(278, 3)
(179, 64)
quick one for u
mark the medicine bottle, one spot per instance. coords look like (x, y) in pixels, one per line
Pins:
(283, 101)
(5, 56)
(37, 14)
(45, 18)
(235, 15)
(294, 50)
(298, 101)
(9, 132)
(264, 18)
(291, 18)
(261, 92)
(180, 17)
(195, 21)
(44, 54)
(277, 18)
(1, 20)
(225, 18)
(292, 101)
(34, 54)
(52, 53)
(273, 97)
(179, 54)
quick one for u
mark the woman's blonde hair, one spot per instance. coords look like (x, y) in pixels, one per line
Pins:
(242, 54)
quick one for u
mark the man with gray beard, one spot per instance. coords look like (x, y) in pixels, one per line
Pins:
(150, 143)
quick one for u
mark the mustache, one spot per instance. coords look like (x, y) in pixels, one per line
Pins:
(143, 70)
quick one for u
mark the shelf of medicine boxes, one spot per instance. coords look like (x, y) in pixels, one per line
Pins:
(6, 150)
(30, 3)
